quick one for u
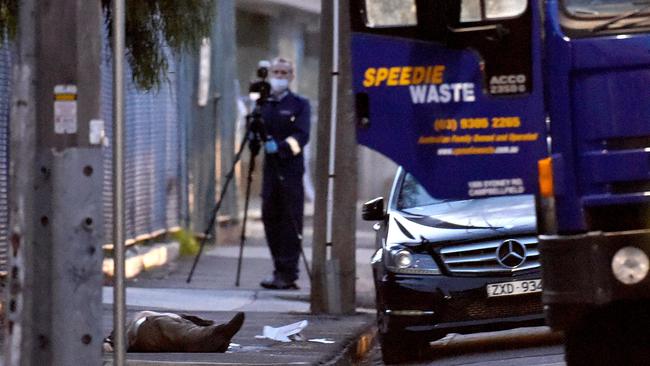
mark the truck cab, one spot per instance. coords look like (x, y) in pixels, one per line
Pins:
(482, 98)
(595, 229)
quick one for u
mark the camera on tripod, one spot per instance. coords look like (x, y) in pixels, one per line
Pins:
(255, 137)
(259, 90)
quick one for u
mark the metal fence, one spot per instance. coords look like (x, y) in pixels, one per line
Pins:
(154, 171)
(155, 141)
(5, 98)
(156, 163)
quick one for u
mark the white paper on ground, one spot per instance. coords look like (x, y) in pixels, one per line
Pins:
(321, 340)
(282, 333)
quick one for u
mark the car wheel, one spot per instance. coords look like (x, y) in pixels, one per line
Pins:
(399, 347)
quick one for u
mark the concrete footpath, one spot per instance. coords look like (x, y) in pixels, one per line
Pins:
(329, 340)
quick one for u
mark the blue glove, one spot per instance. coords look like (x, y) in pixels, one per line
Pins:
(271, 147)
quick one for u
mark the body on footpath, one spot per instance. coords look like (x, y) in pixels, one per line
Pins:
(151, 331)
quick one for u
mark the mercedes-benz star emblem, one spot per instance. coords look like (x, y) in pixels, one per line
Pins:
(511, 254)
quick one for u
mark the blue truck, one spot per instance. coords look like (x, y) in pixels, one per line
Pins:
(481, 98)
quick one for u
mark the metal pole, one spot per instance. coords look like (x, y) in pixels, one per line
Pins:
(333, 115)
(119, 293)
(225, 51)
(333, 287)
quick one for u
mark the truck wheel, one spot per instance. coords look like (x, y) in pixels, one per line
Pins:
(582, 347)
(399, 347)
(618, 337)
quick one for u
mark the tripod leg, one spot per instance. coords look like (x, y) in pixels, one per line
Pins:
(304, 260)
(242, 241)
(213, 215)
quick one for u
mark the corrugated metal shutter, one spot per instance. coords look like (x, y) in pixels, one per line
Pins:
(5, 98)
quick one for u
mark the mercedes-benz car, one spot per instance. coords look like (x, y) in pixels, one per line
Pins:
(445, 266)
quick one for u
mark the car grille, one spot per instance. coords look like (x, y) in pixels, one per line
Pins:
(504, 307)
(481, 258)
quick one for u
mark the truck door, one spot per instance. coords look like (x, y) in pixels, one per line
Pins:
(596, 283)
(598, 69)
(452, 91)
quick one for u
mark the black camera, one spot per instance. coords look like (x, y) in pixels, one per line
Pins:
(259, 92)
(260, 89)
(263, 69)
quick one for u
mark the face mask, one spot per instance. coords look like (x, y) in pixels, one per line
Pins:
(279, 85)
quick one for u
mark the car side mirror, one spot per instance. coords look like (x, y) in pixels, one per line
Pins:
(373, 210)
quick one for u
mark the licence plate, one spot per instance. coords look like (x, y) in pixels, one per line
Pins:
(514, 288)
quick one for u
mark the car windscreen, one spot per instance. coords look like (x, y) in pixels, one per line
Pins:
(412, 194)
(600, 8)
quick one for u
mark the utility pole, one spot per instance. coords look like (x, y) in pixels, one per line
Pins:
(19, 334)
(55, 313)
(344, 223)
(318, 296)
(334, 270)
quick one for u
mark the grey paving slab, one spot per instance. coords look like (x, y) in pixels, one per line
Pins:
(183, 299)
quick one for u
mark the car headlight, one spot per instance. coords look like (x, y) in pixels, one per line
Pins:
(402, 260)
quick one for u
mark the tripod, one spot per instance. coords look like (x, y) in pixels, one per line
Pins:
(255, 134)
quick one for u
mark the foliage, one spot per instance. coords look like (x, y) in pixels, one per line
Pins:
(187, 242)
(8, 18)
(152, 25)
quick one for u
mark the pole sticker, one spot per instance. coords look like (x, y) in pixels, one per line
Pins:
(65, 109)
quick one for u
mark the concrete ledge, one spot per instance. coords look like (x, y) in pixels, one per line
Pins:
(145, 258)
(357, 349)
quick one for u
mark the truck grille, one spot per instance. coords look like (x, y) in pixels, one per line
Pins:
(491, 256)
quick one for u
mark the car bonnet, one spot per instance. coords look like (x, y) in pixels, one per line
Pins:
(463, 220)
